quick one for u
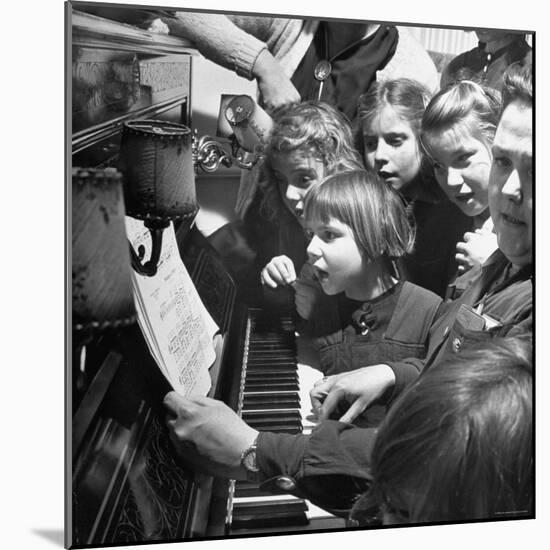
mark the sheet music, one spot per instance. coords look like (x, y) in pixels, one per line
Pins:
(176, 325)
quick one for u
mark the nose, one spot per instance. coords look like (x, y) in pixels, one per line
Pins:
(454, 178)
(381, 156)
(314, 249)
(512, 187)
(295, 197)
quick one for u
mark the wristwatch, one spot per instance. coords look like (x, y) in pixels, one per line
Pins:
(248, 462)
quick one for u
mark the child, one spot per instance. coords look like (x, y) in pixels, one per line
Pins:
(389, 120)
(458, 128)
(457, 445)
(358, 227)
(308, 141)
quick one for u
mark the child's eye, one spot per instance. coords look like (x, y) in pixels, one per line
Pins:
(370, 144)
(395, 142)
(502, 162)
(328, 235)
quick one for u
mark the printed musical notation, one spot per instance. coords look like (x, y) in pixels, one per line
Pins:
(177, 327)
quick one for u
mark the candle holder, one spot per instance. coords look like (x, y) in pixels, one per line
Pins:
(245, 124)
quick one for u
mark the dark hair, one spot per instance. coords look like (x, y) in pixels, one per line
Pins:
(314, 127)
(459, 440)
(467, 103)
(374, 210)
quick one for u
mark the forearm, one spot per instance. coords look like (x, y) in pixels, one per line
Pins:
(333, 448)
(219, 39)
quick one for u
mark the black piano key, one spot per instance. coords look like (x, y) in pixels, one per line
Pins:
(282, 371)
(274, 364)
(271, 401)
(274, 376)
(269, 514)
(278, 428)
(246, 489)
(270, 506)
(267, 421)
(272, 348)
(271, 358)
(270, 386)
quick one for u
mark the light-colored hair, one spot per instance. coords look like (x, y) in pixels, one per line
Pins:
(459, 440)
(465, 104)
(315, 128)
(372, 209)
(518, 84)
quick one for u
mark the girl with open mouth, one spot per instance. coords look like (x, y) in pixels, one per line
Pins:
(458, 129)
(388, 135)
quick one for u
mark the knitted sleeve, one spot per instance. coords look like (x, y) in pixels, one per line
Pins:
(233, 42)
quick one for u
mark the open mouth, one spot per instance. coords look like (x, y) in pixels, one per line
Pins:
(464, 197)
(320, 275)
(386, 175)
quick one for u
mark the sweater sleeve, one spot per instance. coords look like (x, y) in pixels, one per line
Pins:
(234, 41)
(222, 40)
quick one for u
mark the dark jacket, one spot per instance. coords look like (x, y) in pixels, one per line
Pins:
(331, 466)
(440, 225)
(488, 69)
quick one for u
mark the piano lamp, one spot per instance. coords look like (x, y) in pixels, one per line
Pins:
(101, 283)
(156, 159)
(245, 124)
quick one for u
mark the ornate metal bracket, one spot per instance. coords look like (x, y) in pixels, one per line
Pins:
(209, 154)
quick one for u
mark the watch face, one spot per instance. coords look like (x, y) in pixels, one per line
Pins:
(249, 460)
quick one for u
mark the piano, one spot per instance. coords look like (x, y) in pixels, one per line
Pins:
(125, 484)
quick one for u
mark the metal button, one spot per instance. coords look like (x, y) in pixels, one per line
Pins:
(322, 70)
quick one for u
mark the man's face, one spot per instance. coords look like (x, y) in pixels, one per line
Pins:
(511, 181)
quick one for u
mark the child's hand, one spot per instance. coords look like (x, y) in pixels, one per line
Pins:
(278, 272)
(475, 249)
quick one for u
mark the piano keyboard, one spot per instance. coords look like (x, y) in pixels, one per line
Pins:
(273, 396)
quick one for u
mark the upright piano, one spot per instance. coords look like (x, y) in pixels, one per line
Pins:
(124, 482)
